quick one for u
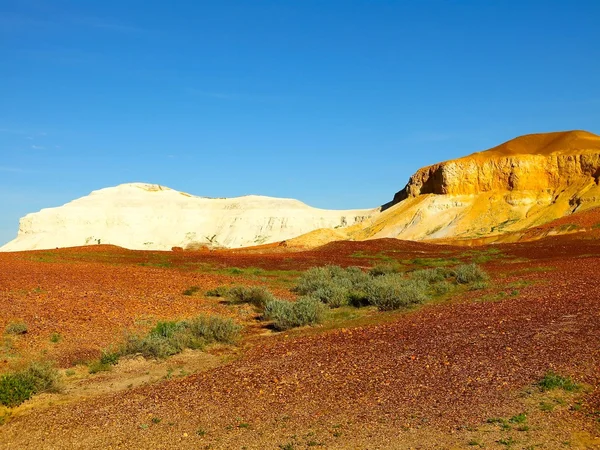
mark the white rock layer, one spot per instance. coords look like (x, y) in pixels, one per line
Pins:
(153, 217)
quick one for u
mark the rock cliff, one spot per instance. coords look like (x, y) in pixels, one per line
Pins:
(153, 217)
(521, 184)
(547, 162)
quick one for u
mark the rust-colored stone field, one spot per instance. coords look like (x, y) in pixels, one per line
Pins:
(458, 372)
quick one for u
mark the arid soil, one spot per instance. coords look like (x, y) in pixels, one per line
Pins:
(432, 377)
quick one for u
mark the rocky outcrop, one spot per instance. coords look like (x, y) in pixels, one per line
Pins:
(153, 217)
(544, 162)
(521, 184)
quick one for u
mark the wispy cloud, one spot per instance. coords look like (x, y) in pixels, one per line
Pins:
(11, 131)
(235, 96)
(11, 22)
(38, 147)
(13, 169)
(104, 24)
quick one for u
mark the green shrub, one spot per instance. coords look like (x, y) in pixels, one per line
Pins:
(333, 295)
(170, 338)
(469, 273)
(285, 315)
(431, 275)
(332, 285)
(19, 386)
(384, 269)
(219, 291)
(191, 290)
(214, 329)
(255, 295)
(478, 285)
(552, 380)
(442, 288)
(389, 292)
(110, 358)
(98, 366)
(16, 328)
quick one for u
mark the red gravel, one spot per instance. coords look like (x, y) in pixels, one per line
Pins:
(444, 365)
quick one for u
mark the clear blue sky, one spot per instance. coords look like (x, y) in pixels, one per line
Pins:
(335, 103)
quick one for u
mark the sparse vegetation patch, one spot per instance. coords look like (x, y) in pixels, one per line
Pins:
(16, 328)
(285, 315)
(171, 337)
(254, 295)
(17, 387)
(469, 273)
(552, 380)
(389, 292)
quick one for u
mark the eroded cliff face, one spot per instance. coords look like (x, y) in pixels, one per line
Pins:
(523, 183)
(153, 217)
(572, 159)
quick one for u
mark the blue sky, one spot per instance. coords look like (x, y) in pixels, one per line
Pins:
(335, 103)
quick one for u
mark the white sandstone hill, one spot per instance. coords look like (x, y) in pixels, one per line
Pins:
(153, 217)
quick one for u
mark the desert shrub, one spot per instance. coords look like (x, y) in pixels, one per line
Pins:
(384, 269)
(478, 285)
(552, 380)
(191, 290)
(431, 275)
(255, 295)
(442, 288)
(285, 315)
(313, 279)
(332, 285)
(16, 328)
(469, 273)
(219, 291)
(389, 292)
(214, 329)
(97, 366)
(333, 295)
(170, 338)
(150, 346)
(19, 386)
(110, 358)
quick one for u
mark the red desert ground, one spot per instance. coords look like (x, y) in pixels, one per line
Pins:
(463, 313)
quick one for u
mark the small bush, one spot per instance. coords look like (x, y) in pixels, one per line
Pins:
(389, 292)
(469, 273)
(553, 380)
(431, 276)
(16, 328)
(214, 329)
(255, 295)
(219, 291)
(110, 358)
(333, 295)
(191, 290)
(170, 338)
(97, 366)
(442, 288)
(333, 285)
(478, 285)
(17, 387)
(384, 269)
(285, 315)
